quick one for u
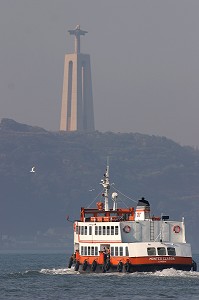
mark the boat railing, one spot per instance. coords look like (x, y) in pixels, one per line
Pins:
(111, 219)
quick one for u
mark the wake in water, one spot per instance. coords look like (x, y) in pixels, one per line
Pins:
(164, 273)
(71, 271)
(58, 271)
(175, 273)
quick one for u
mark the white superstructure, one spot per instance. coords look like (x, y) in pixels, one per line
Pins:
(128, 239)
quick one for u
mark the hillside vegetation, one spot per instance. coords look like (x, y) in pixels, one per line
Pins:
(34, 205)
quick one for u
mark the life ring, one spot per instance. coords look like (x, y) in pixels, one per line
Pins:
(85, 265)
(94, 266)
(77, 266)
(127, 229)
(176, 228)
(120, 267)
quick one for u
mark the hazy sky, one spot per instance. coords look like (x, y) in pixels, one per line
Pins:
(144, 60)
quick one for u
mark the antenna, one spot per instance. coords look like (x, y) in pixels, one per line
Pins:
(106, 185)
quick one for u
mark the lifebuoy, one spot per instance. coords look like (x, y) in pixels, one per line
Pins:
(85, 265)
(94, 266)
(176, 228)
(127, 229)
(120, 267)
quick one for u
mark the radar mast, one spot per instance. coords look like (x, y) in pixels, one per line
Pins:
(106, 185)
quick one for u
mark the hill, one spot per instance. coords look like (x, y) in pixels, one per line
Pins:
(68, 164)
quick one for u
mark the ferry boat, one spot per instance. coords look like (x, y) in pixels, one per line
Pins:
(127, 239)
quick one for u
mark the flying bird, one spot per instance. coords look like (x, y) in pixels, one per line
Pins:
(32, 170)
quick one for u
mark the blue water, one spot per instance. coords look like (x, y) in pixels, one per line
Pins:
(45, 276)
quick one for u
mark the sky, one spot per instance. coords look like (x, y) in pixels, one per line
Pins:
(144, 61)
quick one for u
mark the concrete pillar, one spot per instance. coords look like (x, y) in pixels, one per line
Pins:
(77, 99)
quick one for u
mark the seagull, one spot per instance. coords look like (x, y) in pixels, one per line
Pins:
(91, 190)
(32, 170)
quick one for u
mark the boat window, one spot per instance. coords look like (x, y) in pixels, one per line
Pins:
(151, 251)
(104, 230)
(82, 230)
(96, 230)
(171, 251)
(85, 231)
(90, 230)
(127, 251)
(112, 251)
(121, 251)
(112, 230)
(161, 251)
(100, 230)
(89, 250)
(77, 229)
(116, 230)
(116, 251)
(108, 230)
(92, 250)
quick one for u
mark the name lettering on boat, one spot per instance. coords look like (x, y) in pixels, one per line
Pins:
(160, 258)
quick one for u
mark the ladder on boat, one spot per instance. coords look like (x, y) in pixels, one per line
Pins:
(151, 230)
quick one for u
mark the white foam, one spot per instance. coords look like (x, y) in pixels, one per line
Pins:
(164, 273)
(58, 271)
(175, 273)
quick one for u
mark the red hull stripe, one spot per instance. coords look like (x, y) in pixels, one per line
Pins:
(161, 260)
(149, 260)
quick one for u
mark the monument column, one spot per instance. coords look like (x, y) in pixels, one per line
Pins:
(77, 99)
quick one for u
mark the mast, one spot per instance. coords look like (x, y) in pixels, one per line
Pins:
(106, 185)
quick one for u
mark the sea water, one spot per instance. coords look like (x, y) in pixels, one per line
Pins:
(46, 276)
